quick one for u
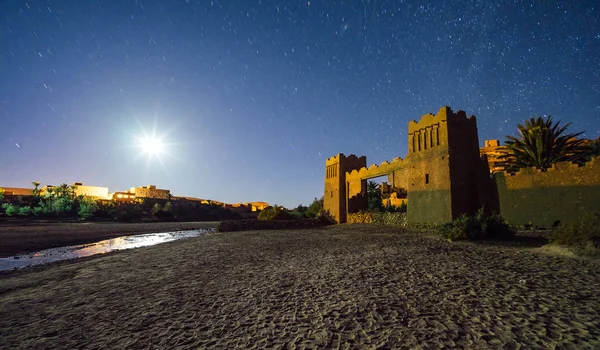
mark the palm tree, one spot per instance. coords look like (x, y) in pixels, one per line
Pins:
(541, 143)
(374, 196)
(373, 190)
(593, 149)
(72, 191)
(36, 188)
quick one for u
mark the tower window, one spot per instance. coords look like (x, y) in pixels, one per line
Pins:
(426, 178)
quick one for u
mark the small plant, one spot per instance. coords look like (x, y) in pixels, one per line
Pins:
(476, 227)
(583, 234)
(24, 211)
(326, 218)
(10, 209)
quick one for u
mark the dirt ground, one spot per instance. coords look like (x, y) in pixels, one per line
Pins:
(346, 286)
(26, 238)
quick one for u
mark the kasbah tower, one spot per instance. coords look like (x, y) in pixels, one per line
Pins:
(442, 172)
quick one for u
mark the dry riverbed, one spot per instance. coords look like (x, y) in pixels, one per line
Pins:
(359, 286)
(26, 238)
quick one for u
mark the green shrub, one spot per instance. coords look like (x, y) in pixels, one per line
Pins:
(584, 233)
(39, 210)
(326, 218)
(315, 208)
(10, 209)
(476, 227)
(87, 207)
(275, 213)
(24, 210)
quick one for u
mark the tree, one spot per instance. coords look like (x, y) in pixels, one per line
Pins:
(300, 211)
(593, 150)
(541, 143)
(36, 189)
(315, 208)
(374, 196)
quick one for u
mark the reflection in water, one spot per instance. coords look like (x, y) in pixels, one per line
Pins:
(79, 251)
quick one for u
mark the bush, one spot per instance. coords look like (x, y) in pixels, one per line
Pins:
(275, 213)
(87, 208)
(315, 208)
(326, 218)
(584, 233)
(10, 209)
(25, 211)
(476, 227)
(61, 205)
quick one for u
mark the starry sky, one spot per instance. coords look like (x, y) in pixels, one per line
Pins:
(251, 96)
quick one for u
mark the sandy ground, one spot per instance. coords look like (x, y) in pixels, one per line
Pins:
(33, 237)
(338, 287)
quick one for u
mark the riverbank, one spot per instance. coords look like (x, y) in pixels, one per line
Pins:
(345, 286)
(33, 237)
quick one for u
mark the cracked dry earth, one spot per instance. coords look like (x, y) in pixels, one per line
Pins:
(360, 286)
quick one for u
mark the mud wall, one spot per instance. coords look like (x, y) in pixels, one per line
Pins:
(564, 193)
(428, 175)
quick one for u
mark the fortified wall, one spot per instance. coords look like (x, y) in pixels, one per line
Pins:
(335, 198)
(566, 192)
(446, 176)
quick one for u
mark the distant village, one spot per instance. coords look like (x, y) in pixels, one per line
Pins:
(130, 196)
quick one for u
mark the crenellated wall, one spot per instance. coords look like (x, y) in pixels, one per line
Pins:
(335, 198)
(563, 193)
(428, 175)
(446, 175)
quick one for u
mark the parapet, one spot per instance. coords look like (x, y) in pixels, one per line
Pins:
(375, 170)
(429, 119)
(334, 159)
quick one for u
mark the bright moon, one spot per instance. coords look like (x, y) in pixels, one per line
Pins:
(151, 145)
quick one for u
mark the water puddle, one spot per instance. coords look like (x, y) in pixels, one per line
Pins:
(79, 251)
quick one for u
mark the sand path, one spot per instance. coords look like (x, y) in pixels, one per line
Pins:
(339, 287)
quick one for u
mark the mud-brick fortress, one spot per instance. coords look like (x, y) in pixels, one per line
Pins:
(446, 176)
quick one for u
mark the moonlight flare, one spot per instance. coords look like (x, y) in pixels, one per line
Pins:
(151, 146)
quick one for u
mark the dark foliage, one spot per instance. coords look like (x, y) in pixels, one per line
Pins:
(584, 233)
(275, 213)
(541, 143)
(476, 227)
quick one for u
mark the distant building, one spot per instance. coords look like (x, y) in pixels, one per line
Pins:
(493, 151)
(91, 191)
(123, 197)
(150, 191)
(17, 191)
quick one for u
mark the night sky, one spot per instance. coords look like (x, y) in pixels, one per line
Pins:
(252, 96)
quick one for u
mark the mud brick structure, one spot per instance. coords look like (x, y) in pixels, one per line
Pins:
(446, 175)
